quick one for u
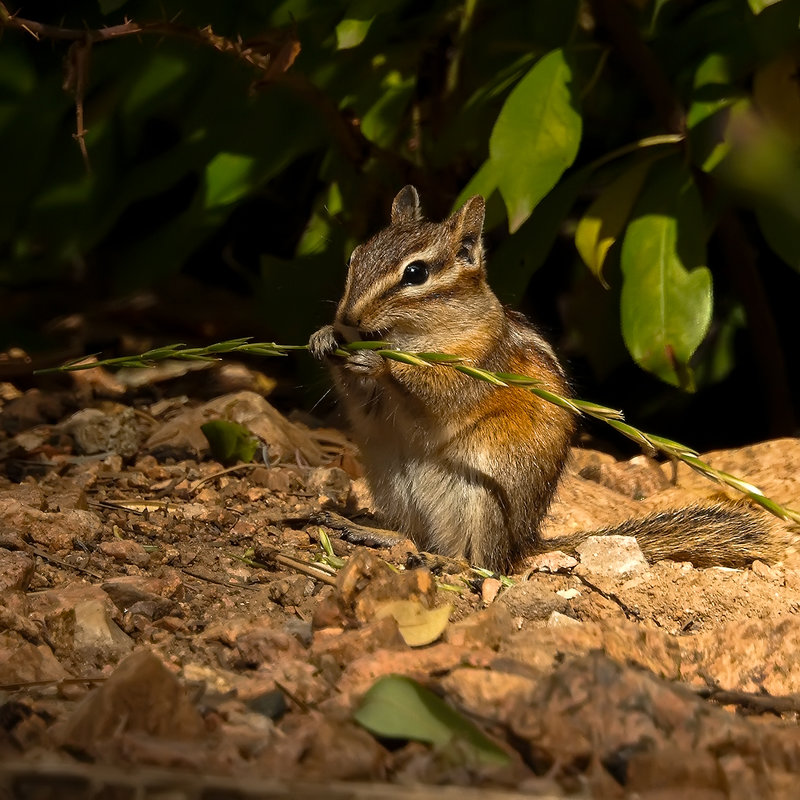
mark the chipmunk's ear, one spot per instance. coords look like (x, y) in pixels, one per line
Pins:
(405, 207)
(467, 226)
(468, 220)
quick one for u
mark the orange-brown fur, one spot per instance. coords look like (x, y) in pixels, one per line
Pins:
(462, 467)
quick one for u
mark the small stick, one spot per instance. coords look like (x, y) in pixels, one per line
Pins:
(222, 472)
(759, 703)
(201, 576)
(58, 562)
(312, 570)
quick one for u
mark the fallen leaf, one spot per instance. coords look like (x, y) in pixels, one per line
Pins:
(417, 624)
(399, 708)
(230, 441)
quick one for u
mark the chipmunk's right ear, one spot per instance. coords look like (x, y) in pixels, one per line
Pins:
(468, 220)
(405, 207)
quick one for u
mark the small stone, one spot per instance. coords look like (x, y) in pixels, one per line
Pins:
(11, 540)
(130, 589)
(87, 632)
(16, 570)
(330, 481)
(765, 572)
(172, 624)
(291, 590)
(475, 690)
(610, 557)
(96, 431)
(125, 550)
(534, 599)
(264, 645)
(486, 628)
(95, 630)
(23, 662)
(490, 588)
(181, 436)
(55, 531)
(559, 620)
(276, 479)
(554, 561)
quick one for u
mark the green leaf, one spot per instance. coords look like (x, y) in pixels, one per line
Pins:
(712, 88)
(520, 255)
(757, 6)
(380, 123)
(781, 229)
(228, 179)
(230, 441)
(714, 91)
(666, 292)
(536, 136)
(399, 708)
(351, 32)
(161, 72)
(483, 182)
(603, 222)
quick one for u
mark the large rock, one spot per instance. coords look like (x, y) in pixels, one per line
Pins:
(181, 436)
(141, 696)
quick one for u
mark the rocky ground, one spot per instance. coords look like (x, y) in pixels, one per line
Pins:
(168, 621)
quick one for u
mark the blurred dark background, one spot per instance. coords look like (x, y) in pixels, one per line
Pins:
(235, 153)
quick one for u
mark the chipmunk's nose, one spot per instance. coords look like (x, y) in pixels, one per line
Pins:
(348, 333)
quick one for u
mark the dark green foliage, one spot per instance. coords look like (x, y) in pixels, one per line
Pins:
(662, 135)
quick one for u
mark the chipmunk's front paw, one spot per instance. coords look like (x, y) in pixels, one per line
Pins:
(365, 362)
(323, 342)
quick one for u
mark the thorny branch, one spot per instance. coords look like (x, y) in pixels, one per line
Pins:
(271, 55)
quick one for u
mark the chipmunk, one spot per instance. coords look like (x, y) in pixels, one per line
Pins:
(464, 468)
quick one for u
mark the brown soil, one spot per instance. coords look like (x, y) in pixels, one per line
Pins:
(164, 612)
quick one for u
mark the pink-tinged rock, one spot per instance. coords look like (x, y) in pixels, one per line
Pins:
(16, 570)
(614, 557)
(55, 531)
(140, 696)
(22, 662)
(87, 634)
(126, 550)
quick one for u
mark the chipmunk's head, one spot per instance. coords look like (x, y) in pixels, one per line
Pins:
(416, 279)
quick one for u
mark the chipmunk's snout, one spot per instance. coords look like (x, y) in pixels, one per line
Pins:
(351, 331)
(347, 333)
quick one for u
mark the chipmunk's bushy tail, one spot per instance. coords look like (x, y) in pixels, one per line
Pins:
(727, 534)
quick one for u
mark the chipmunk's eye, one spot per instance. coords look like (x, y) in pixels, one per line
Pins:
(415, 273)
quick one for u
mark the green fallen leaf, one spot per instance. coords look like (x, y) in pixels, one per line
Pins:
(399, 708)
(229, 441)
